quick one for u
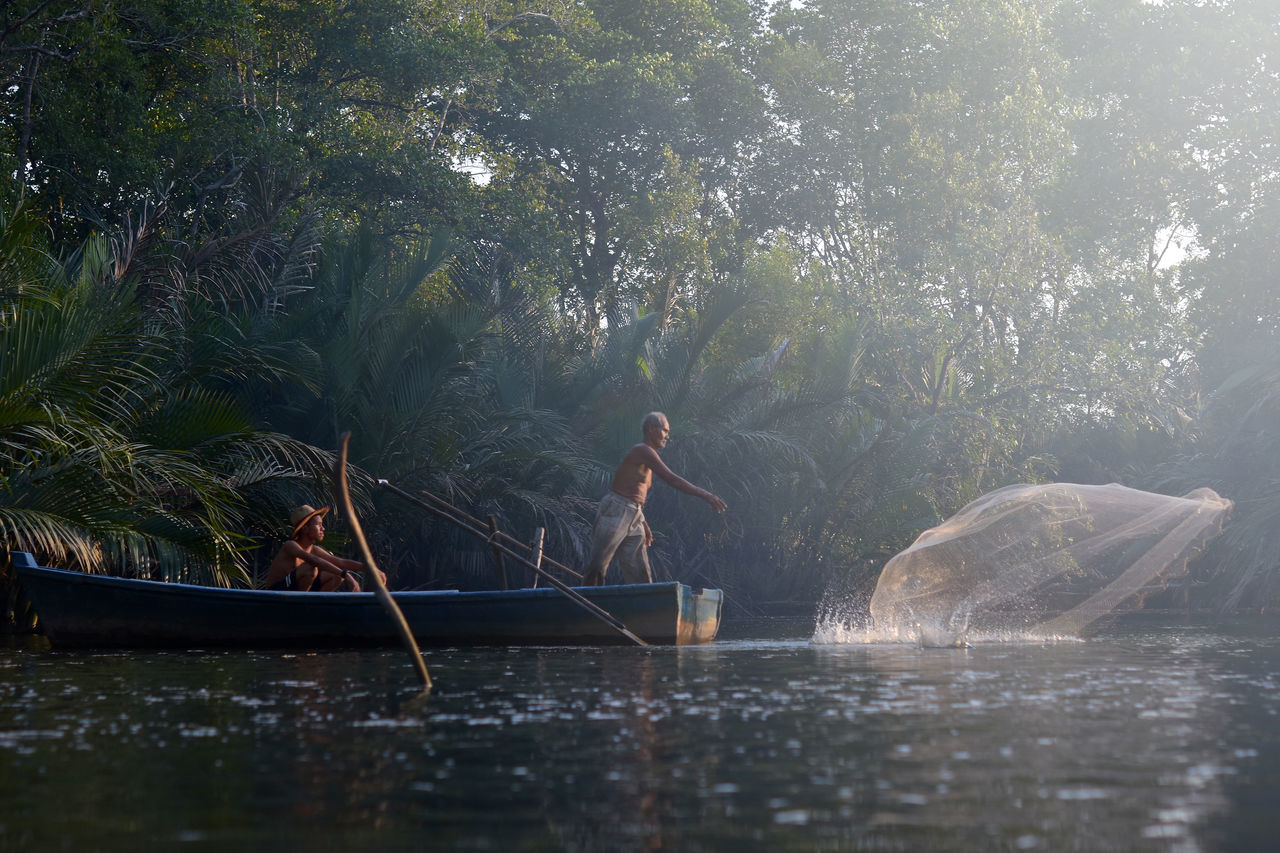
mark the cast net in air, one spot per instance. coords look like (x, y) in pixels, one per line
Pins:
(1045, 560)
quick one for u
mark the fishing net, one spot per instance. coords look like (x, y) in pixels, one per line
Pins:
(1045, 560)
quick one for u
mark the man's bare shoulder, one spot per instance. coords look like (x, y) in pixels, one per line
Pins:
(290, 549)
(641, 454)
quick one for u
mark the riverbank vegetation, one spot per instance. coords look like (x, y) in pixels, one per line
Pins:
(873, 260)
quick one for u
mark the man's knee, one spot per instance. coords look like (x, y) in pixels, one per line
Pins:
(633, 560)
(307, 577)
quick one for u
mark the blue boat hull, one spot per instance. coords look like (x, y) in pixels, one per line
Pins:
(77, 609)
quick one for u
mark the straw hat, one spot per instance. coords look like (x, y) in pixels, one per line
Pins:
(302, 515)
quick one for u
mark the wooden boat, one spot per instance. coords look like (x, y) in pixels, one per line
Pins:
(77, 609)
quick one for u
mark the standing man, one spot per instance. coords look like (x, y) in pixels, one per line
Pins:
(620, 527)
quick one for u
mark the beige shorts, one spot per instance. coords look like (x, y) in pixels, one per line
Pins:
(618, 529)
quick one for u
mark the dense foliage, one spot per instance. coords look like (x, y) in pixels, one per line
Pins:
(873, 259)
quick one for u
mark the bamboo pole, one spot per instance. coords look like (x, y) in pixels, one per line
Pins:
(446, 510)
(449, 512)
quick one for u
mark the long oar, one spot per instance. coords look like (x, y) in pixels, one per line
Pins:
(379, 588)
(487, 531)
(473, 527)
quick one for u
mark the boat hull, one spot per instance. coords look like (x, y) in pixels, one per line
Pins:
(77, 609)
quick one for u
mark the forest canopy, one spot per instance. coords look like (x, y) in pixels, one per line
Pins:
(873, 259)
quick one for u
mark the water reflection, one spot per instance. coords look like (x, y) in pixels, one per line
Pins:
(1042, 740)
(1145, 739)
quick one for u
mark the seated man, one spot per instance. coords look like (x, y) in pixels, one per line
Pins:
(302, 565)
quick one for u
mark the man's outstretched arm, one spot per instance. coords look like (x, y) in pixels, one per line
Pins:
(675, 481)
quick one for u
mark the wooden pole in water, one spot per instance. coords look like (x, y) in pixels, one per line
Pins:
(379, 588)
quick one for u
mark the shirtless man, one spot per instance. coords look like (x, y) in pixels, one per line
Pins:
(620, 525)
(302, 565)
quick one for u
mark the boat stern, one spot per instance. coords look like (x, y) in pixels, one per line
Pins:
(699, 615)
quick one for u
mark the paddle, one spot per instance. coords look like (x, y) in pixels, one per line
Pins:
(473, 527)
(379, 588)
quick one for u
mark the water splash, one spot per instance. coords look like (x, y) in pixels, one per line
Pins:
(858, 629)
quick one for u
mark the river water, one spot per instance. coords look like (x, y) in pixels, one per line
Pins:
(1160, 737)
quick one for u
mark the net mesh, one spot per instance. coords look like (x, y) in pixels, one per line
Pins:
(1045, 560)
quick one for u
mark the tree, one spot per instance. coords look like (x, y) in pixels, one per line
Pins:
(346, 103)
(437, 387)
(1229, 442)
(114, 454)
(926, 158)
(629, 124)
